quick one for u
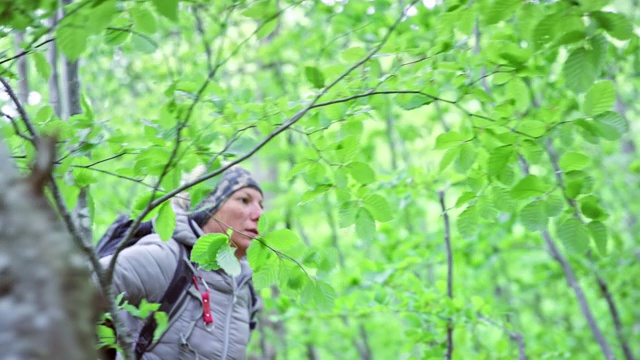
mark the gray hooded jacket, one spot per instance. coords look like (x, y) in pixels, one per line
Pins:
(144, 271)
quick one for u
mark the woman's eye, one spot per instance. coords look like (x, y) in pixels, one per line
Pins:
(244, 200)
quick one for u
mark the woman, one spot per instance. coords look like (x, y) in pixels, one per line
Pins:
(144, 271)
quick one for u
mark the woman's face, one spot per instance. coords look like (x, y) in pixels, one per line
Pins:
(240, 212)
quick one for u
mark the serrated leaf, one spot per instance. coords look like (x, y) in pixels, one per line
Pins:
(573, 161)
(573, 235)
(265, 276)
(465, 198)
(599, 98)
(72, 40)
(411, 101)
(361, 172)
(467, 157)
(206, 248)
(145, 20)
(617, 25)
(610, 125)
(554, 205)
(42, 65)
(347, 213)
(499, 158)
(165, 222)
(546, 30)
(502, 199)
(529, 186)
(167, 8)
(534, 216)
(450, 139)
(500, 10)
(467, 223)
(448, 157)
(282, 239)
(318, 293)
(584, 65)
(314, 75)
(590, 207)
(365, 225)
(227, 260)
(600, 235)
(378, 207)
(533, 128)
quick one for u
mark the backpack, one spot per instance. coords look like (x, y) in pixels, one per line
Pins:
(180, 282)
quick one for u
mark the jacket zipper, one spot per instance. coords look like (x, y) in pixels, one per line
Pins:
(227, 332)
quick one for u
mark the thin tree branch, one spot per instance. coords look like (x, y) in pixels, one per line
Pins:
(447, 242)
(26, 52)
(202, 32)
(21, 111)
(582, 300)
(517, 337)
(17, 129)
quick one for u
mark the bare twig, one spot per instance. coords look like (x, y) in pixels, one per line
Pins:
(17, 129)
(517, 337)
(21, 111)
(447, 242)
(25, 52)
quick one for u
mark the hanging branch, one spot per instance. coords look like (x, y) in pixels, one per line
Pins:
(602, 284)
(517, 337)
(21, 111)
(447, 242)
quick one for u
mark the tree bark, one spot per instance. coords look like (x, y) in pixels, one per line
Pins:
(23, 79)
(46, 299)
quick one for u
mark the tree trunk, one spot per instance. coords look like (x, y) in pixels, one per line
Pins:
(23, 79)
(46, 299)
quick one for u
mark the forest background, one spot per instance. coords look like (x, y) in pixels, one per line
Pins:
(443, 179)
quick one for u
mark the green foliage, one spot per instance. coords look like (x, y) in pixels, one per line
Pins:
(521, 112)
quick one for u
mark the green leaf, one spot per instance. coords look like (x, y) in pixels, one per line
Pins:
(206, 248)
(101, 16)
(165, 222)
(141, 203)
(450, 139)
(162, 324)
(361, 172)
(529, 186)
(410, 102)
(347, 213)
(267, 28)
(584, 65)
(448, 157)
(546, 30)
(499, 158)
(500, 10)
(599, 98)
(71, 39)
(617, 25)
(314, 75)
(533, 128)
(465, 198)
(573, 235)
(365, 225)
(318, 293)
(467, 158)
(467, 223)
(534, 216)
(378, 207)
(554, 205)
(228, 261)
(115, 37)
(502, 199)
(261, 10)
(167, 8)
(42, 65)
(83, 177)
(145, 20)
(573, 161)
(600, 235)
(610, 125)
(590, 207)
(282, 239)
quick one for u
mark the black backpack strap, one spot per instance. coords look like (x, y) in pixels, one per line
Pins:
(253, 322)
(179, 283)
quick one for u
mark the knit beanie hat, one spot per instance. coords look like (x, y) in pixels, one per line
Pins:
(233, 179)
